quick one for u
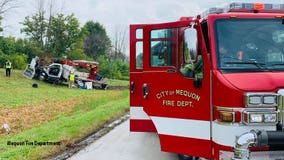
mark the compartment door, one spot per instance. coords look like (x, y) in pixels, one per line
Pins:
(139, 120)
(179, 109)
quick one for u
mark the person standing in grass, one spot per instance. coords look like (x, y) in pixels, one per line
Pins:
(71, 79)
(8, 67)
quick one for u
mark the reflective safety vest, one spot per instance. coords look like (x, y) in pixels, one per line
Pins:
(72, 77)
(187, 70)
(8, 65)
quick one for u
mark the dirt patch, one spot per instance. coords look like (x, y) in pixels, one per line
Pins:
(25, 117)
(77, 146)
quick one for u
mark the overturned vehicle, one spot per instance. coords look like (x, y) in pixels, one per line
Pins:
(58, 72)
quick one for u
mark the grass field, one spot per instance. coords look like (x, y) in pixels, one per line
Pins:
(46, 119)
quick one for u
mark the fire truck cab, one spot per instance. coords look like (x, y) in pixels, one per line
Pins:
(212, 86)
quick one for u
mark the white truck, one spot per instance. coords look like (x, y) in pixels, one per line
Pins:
(58, 72)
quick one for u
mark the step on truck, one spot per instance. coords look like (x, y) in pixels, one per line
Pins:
(212, 85)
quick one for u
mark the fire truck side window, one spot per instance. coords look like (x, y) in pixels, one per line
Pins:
(163, 47)
(192, 61)
(139, 48)
(139, 34)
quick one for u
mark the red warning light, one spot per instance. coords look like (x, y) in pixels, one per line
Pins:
(258, 6)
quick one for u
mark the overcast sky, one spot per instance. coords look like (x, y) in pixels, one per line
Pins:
(116, 13)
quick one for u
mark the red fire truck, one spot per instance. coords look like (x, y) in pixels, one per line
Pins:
(212, 86)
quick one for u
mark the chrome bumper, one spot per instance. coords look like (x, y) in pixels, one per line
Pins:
(262, 155)
(273, 139)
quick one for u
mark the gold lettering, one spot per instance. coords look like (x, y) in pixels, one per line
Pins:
(188, 94)
(158, 96)
(168, 103)
(162, 94)
(184, 103)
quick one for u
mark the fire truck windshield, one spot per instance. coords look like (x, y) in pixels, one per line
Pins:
(246, 45)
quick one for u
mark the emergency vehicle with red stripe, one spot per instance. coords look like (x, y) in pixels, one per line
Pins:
(212, 85)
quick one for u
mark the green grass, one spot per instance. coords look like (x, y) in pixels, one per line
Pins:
(18, 90)
(56, 114)
(115, 82)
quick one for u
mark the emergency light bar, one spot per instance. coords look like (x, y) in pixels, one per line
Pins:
(246, 7)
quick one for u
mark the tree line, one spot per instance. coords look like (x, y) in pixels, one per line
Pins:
(63, 37)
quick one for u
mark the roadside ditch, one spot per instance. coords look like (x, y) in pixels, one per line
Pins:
(77, 146)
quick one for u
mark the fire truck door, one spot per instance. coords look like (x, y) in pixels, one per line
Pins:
(172, 63)
(139, 120)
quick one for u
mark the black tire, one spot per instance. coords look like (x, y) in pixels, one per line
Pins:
(185, 157)
(57, 82)
(104, 86)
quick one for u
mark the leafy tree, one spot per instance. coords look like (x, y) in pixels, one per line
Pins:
(7, 45)
(29, 48)
(3, 58)
(35, 28)
(19, 45)
(1, 29)
(119, 44)
(60, 35)
(123, 68)
(117, 69)
(76, 52)
(96, 42)
(16, 51)
(66, 35)
(18, 61)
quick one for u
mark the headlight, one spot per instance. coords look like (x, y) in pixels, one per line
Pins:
(270, 118)
(255, 100)
(254, 117)
(261, 99)
(270, 99)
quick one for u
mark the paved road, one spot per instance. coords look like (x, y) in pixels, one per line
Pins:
(120, 144)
